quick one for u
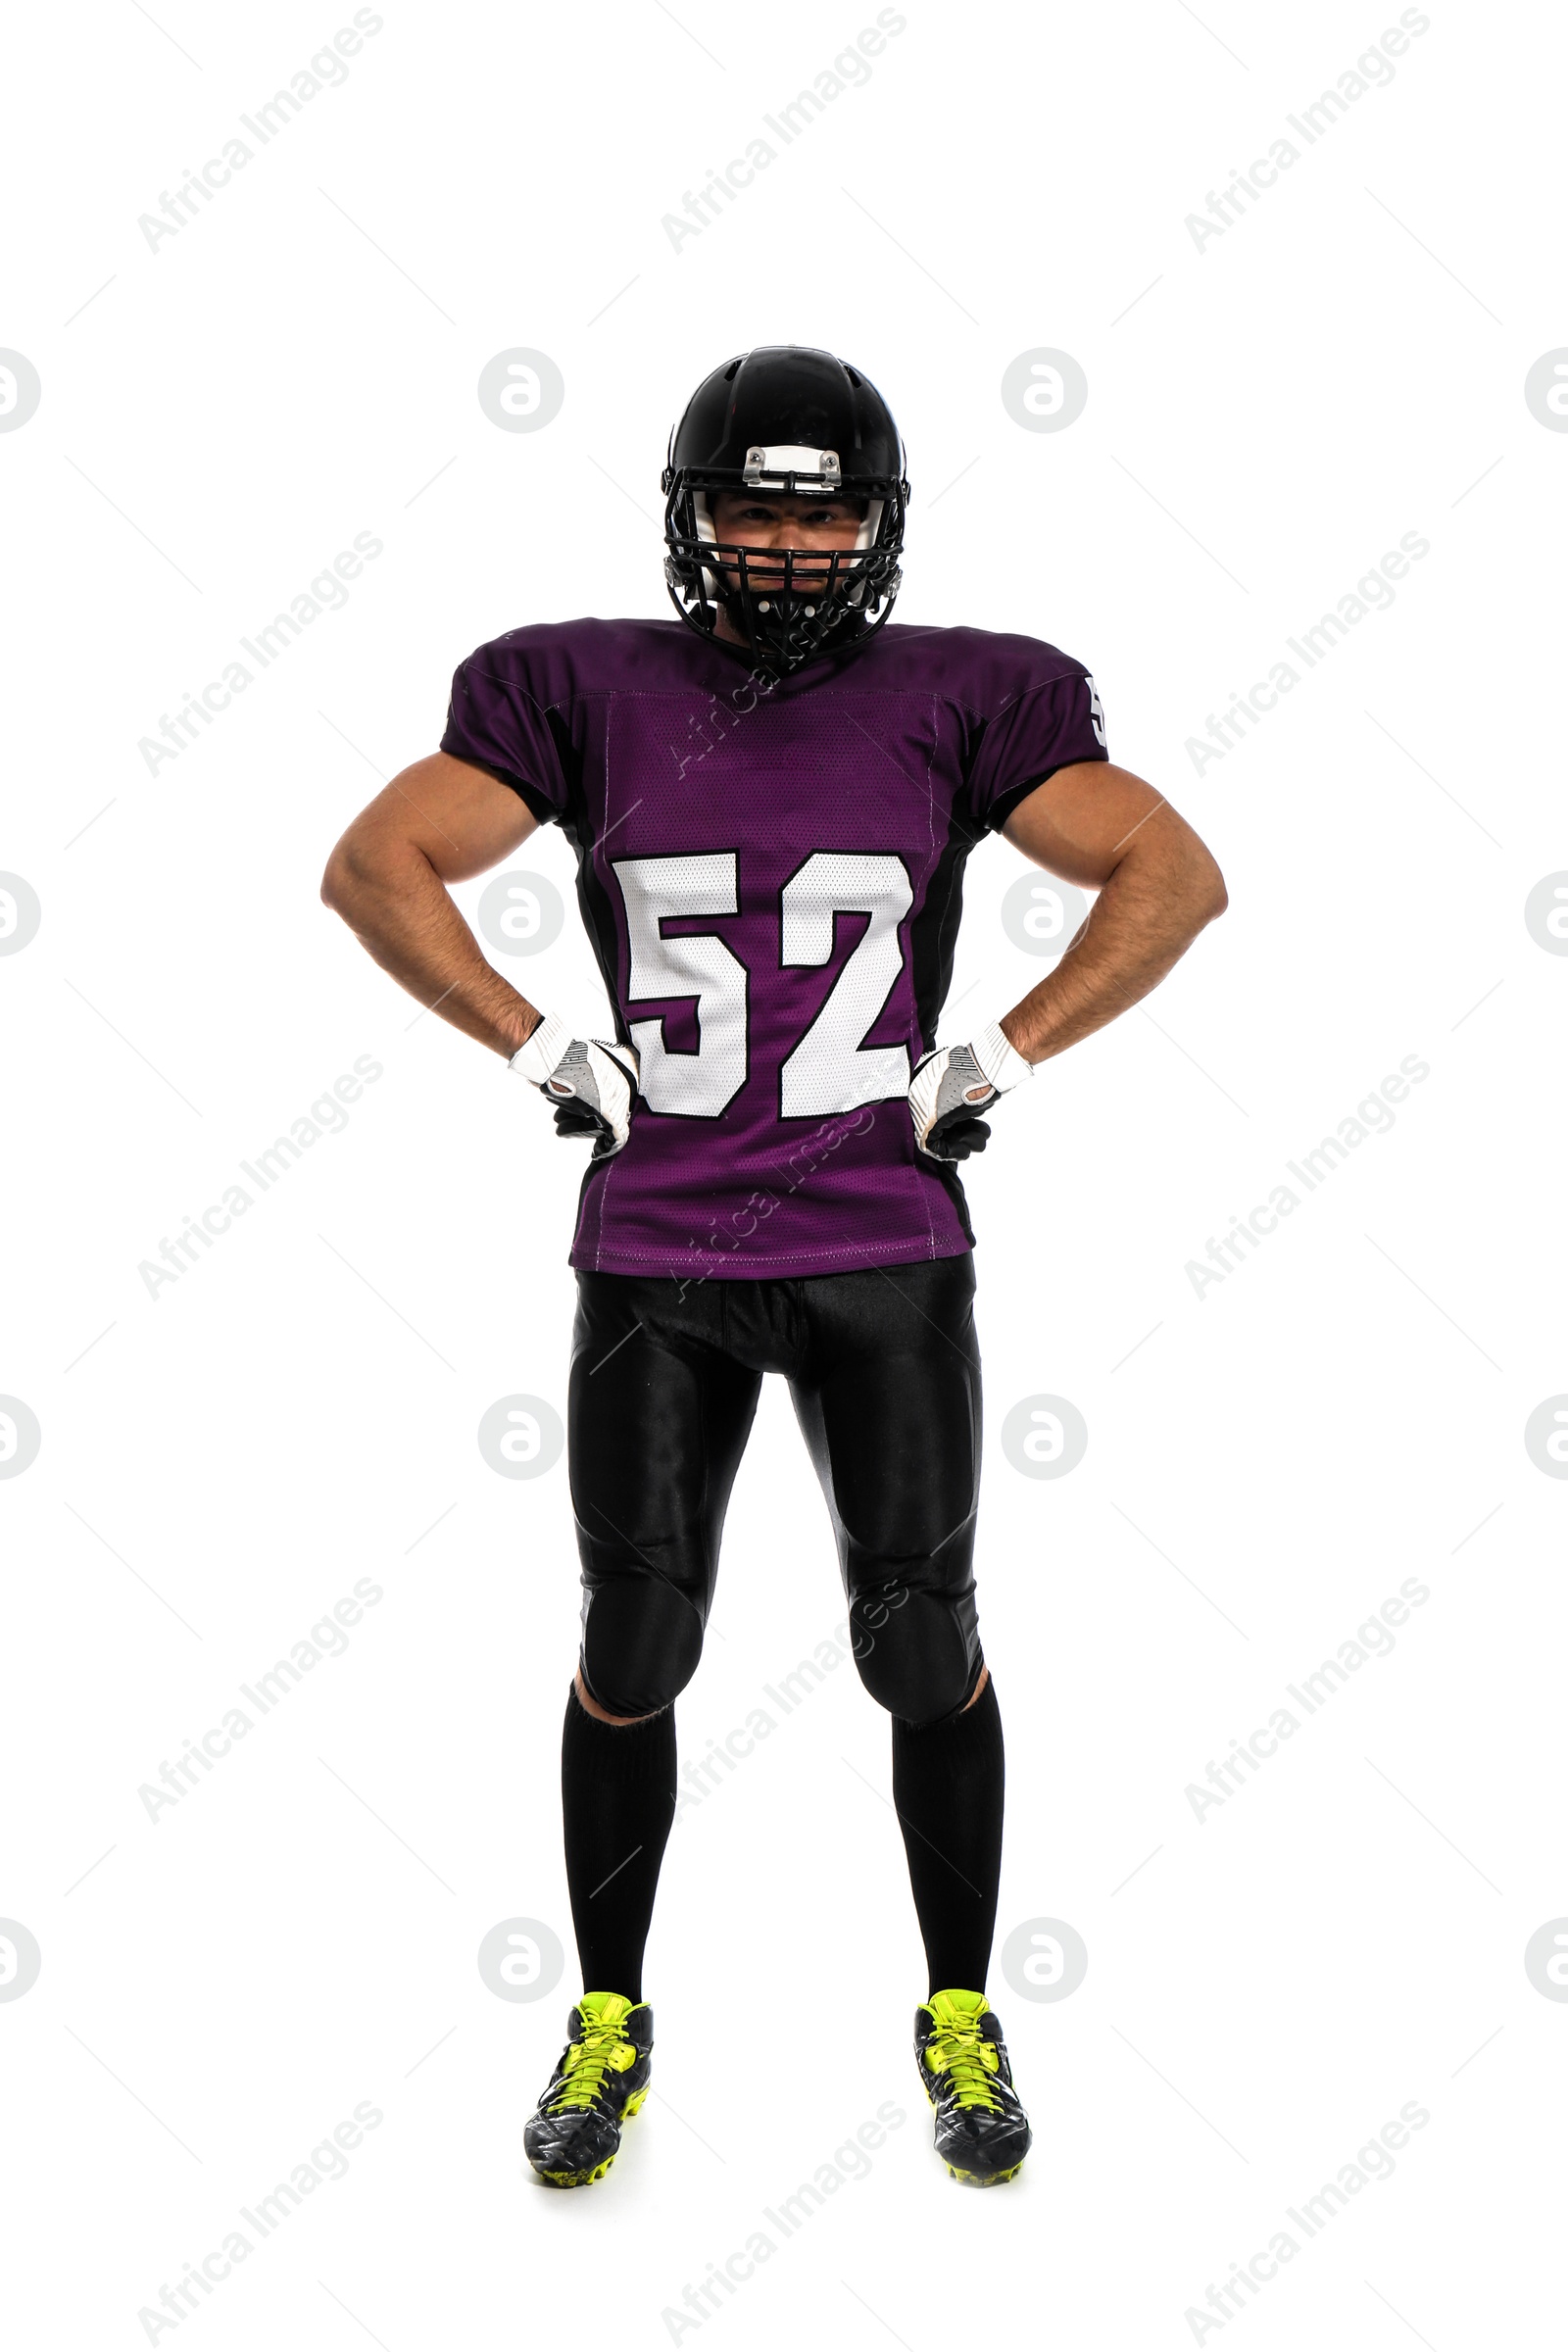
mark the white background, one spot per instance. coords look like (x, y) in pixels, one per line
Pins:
(221, 1463)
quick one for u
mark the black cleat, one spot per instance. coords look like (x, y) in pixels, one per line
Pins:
(573, 2135)
(982, 2133)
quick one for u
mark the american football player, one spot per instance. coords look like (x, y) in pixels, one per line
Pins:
(772, 798)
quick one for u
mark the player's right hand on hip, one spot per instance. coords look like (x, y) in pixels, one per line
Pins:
(591, 1082)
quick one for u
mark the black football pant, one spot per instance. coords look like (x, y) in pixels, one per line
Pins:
(884, 1374)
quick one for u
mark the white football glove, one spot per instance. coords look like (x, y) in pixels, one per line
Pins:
(954, 1085)
(592, 1083)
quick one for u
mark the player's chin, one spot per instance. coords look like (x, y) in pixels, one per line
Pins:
(769, 578)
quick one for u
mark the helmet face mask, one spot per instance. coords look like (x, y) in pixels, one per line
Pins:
(785, 422)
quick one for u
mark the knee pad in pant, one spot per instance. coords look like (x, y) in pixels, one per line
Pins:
(640, 1640)
(917, 1649)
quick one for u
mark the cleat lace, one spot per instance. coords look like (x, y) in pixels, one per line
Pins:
(600, 2047)
(971, 2062)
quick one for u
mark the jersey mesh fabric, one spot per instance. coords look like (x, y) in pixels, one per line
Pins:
(771, 877)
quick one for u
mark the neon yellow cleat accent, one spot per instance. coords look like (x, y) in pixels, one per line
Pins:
(573, 2136)
(982, 2133)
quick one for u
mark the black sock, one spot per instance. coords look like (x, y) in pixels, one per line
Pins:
(947, 1790)
(617, 1800)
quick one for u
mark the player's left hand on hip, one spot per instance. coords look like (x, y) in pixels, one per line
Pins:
(953, 1086)
(591, 1082)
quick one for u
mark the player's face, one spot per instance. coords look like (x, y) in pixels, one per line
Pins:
(812, 525)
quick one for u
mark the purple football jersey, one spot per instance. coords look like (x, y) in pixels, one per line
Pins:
(771, 876)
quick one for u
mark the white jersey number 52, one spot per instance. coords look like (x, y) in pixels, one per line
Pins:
(829, 1070)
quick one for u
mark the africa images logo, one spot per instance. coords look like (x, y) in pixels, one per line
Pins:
(1373, 69)
(849, 70)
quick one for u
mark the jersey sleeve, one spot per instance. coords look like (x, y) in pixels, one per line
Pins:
(494, 722)
(1036, 731)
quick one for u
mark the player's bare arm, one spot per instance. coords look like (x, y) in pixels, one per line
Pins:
(1104, 828)
(440, 822)
(443, 820)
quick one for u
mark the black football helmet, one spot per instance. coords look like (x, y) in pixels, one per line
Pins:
(785, 419)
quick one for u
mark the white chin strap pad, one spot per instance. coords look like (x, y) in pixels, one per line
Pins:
(703, 520)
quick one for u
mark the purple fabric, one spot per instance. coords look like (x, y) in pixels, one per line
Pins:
(815, 833)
